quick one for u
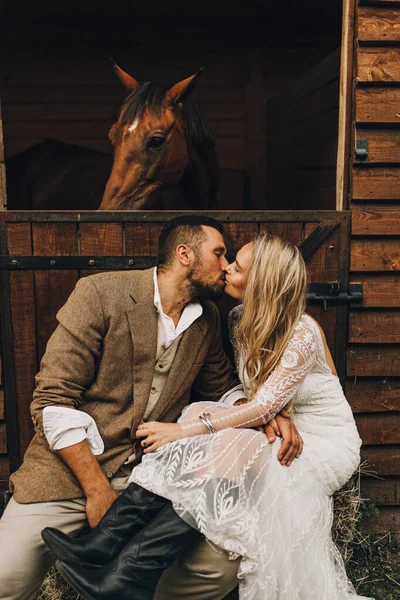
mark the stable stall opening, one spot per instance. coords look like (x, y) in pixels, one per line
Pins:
(269, 92)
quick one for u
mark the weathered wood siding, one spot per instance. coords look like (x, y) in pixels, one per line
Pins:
(374, 331)
(304, 139)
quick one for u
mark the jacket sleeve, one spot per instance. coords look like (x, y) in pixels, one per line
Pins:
(297, 360)
(216, 375)
(73, 352)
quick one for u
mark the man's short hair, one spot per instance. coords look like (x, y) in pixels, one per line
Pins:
(186, 229)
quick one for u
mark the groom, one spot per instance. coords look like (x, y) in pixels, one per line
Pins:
(129, 347)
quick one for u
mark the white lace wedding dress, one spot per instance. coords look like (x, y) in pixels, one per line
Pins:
(231, 486)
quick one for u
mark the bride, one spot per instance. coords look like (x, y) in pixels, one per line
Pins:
(223, 477)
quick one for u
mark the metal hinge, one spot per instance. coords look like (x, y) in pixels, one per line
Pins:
(336, 293)
(361, 150)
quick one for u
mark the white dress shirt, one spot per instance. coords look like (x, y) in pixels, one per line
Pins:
(65, 427)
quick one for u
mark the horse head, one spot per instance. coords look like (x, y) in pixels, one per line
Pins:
(151, 143)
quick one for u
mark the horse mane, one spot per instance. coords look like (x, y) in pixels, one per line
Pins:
(150, 96)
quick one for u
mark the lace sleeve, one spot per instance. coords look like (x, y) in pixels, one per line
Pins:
(280, 387)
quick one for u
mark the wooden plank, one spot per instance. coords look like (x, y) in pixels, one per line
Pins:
(322, 74)
(370, 219)
(27, 114)
(4, 471)
(103, 239)
(1, 404)
(154, 232)
(100, 239)
(137, 239)
(231, 153)
(388, 520)
(378, 24)
(3, 439)
(231, 190)
(256, 130)
(377, 64)
(162, 216)
(319, 101)
(24, 330)
(373, 361)
(27, 97)
(3, 191)
(236, 236)
(95, 136)
(380, 291)
(383, 144)
(386, 492)
(379, 429)
(375, 255)
(371, 326)
(291, 232)
(373, 394)
(377, 105)
(317, 238)
(52, 288)
(323, 265)
(384, 460)
(345, 105)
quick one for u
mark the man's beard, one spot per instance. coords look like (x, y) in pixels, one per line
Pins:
(202, 289)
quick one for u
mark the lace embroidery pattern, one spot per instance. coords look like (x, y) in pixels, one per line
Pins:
(280, 387)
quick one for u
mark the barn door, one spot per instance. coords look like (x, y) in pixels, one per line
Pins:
(44, 254)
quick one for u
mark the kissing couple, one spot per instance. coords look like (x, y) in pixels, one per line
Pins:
(133, 353)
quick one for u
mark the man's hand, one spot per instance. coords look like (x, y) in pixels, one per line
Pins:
(96, 487)
(292, 442)
(98, 504)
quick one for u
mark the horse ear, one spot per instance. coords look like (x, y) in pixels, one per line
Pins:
(180, 91)
(131, 84)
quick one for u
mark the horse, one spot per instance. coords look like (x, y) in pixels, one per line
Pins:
(164, 158)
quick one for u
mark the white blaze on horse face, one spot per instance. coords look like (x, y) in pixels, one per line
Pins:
(132, 128)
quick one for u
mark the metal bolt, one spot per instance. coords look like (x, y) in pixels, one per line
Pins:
(14, 262)
(130, 261)
(91, 262)
(52, 262)
(331, 248)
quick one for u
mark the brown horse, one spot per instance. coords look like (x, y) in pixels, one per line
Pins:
(164, 158)
(161, 145)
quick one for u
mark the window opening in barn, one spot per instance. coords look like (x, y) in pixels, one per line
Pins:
(269, 92)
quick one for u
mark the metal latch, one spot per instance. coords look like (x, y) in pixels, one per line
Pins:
(362, 150)
(336, 293)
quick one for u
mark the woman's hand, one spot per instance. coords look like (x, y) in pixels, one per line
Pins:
(157, 434)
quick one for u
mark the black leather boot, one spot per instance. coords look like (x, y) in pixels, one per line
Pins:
(127, 515)
(139, 566)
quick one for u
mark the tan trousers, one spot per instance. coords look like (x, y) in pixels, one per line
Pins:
(203, 574)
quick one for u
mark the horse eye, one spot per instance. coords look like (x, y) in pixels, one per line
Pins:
(155, 142)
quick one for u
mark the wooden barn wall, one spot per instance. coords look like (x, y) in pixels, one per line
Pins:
(374, 331)
(73, 95)
(304, 139)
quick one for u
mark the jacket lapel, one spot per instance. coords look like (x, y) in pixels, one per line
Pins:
(142, 318)
(186, 354)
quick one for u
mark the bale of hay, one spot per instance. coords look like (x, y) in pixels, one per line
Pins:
(345, 533)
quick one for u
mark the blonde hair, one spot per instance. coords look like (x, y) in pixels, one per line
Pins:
(274, 300)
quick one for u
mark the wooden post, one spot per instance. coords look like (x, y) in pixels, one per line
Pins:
(3, 193)
(345, 106)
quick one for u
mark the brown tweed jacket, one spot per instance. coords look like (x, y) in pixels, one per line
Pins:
(101, 360)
